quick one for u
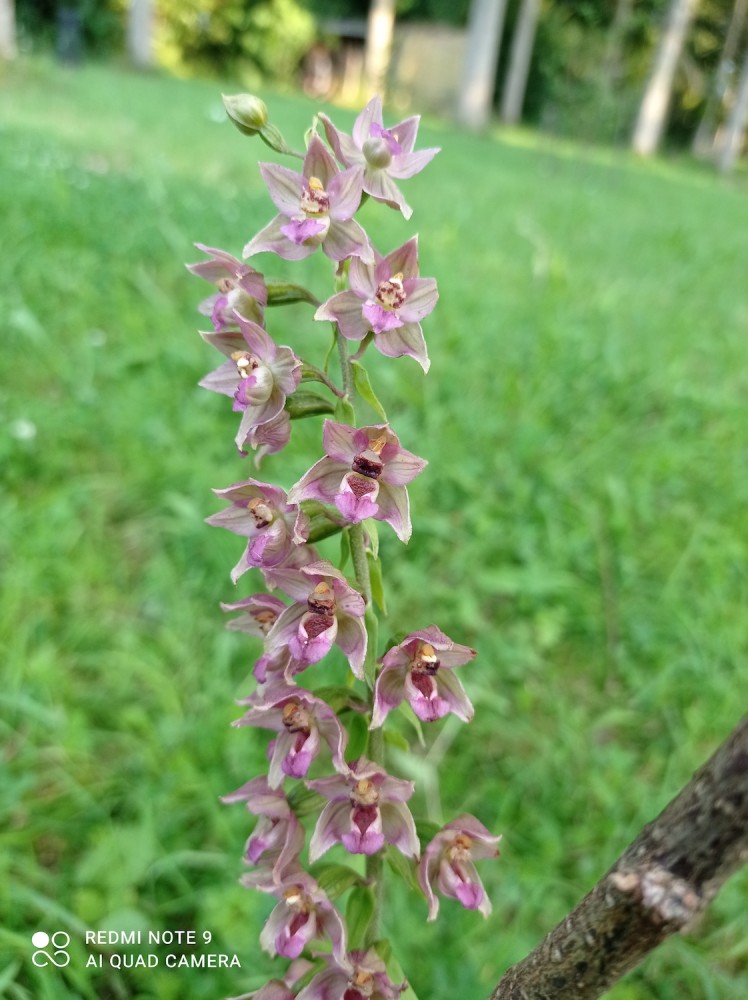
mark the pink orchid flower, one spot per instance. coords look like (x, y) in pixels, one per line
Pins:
(420, 669)
(447, 863)
(380, 154)
(362, 975)
(258, 375)
(327, 611)
(388, 298)
(366, 809)
(316, 209)
(260, 512)
(363, 474)
(278, 837)
(241, 289)
(301, 720)
(303, 914)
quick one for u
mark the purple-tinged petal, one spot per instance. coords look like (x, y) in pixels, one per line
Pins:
(421, 298)
(388, 694)
(394, 508)
(284, 186)
(268, 438)
(363, 277)
(371, 114)
(403, 260)
(321, 482)
(345, 193)
(352, 639)
(365, 834)
(341, 442)
(380, 319)
(406, 132)
(333, 822)
(405, 340)
(306, 232)
(356, 500)
(407, 164)
(347, 239)
(345, 310)
(314, 638)
(453, 693)
(319, 163)
(272, 240)
(223, 379)
(400, 829)
(382, 188)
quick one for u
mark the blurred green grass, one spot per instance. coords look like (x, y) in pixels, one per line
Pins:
(583, 523)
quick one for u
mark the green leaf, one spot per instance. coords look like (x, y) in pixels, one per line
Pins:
(426, 829)
(358, 914)
(407, 713)
(403, 867)
(334, 880)
(396, 740)
(307, 404)
(304, 801)
(377, 584)
(341, 699)
(363, 385)
(370, 663)
(283, 293)
(358, 736)
(371, 530)
(345, 550)
(344, 412)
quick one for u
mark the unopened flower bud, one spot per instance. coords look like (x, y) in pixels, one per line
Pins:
(246, 111)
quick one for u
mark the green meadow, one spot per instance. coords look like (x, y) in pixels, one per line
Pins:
(583, 523)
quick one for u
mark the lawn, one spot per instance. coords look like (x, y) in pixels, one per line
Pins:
(583, 523)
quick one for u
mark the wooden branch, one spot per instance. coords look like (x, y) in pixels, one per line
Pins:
(659, 885)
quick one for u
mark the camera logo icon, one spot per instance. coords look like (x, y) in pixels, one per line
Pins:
(51, 949)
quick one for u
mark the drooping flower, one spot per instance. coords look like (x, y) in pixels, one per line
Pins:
(300, 720)
(278, 837)
(304, 914)
(258, 375)
(240, 289)
(327, 611)
(366, 809)
(363, 474)
(258, 614)
(380, 154)
(280, 989)
(260, 512)
(316, 209)
(362, 975)
(447, 864)
(420, 669)
(388, 298)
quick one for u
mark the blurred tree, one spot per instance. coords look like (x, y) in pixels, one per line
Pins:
(704, 141)
(255, 40)
(379, 29)
(652, 117)
(140, 32)
(737, 121)
(485, 27)
(8, 45)
(520, 55)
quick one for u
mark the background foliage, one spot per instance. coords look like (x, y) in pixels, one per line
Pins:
(582, 522)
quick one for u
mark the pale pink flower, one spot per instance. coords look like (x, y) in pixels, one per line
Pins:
(362, 975)
(380, 154)
(278, 837)
(316, 209)
(366, 809)
(447, 864)
(363, 474)
(420, 669)
(388, 298)
(260, 512)
(241, 289)
(303, 914)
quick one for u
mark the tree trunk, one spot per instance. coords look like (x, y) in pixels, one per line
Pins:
(659, 885)
(513, 95)
(485, 28)
(379, 32)
(613, 60)
(650, 122)
(140, 32)
(704, 139)
(8, 44)
(735, 129)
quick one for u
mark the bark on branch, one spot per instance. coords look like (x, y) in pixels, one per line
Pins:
(659, 885)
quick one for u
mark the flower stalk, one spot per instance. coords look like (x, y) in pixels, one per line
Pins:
(318, 787)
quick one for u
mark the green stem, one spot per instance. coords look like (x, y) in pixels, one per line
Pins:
(374, 862)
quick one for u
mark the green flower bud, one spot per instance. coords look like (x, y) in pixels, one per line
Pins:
(246, 111)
